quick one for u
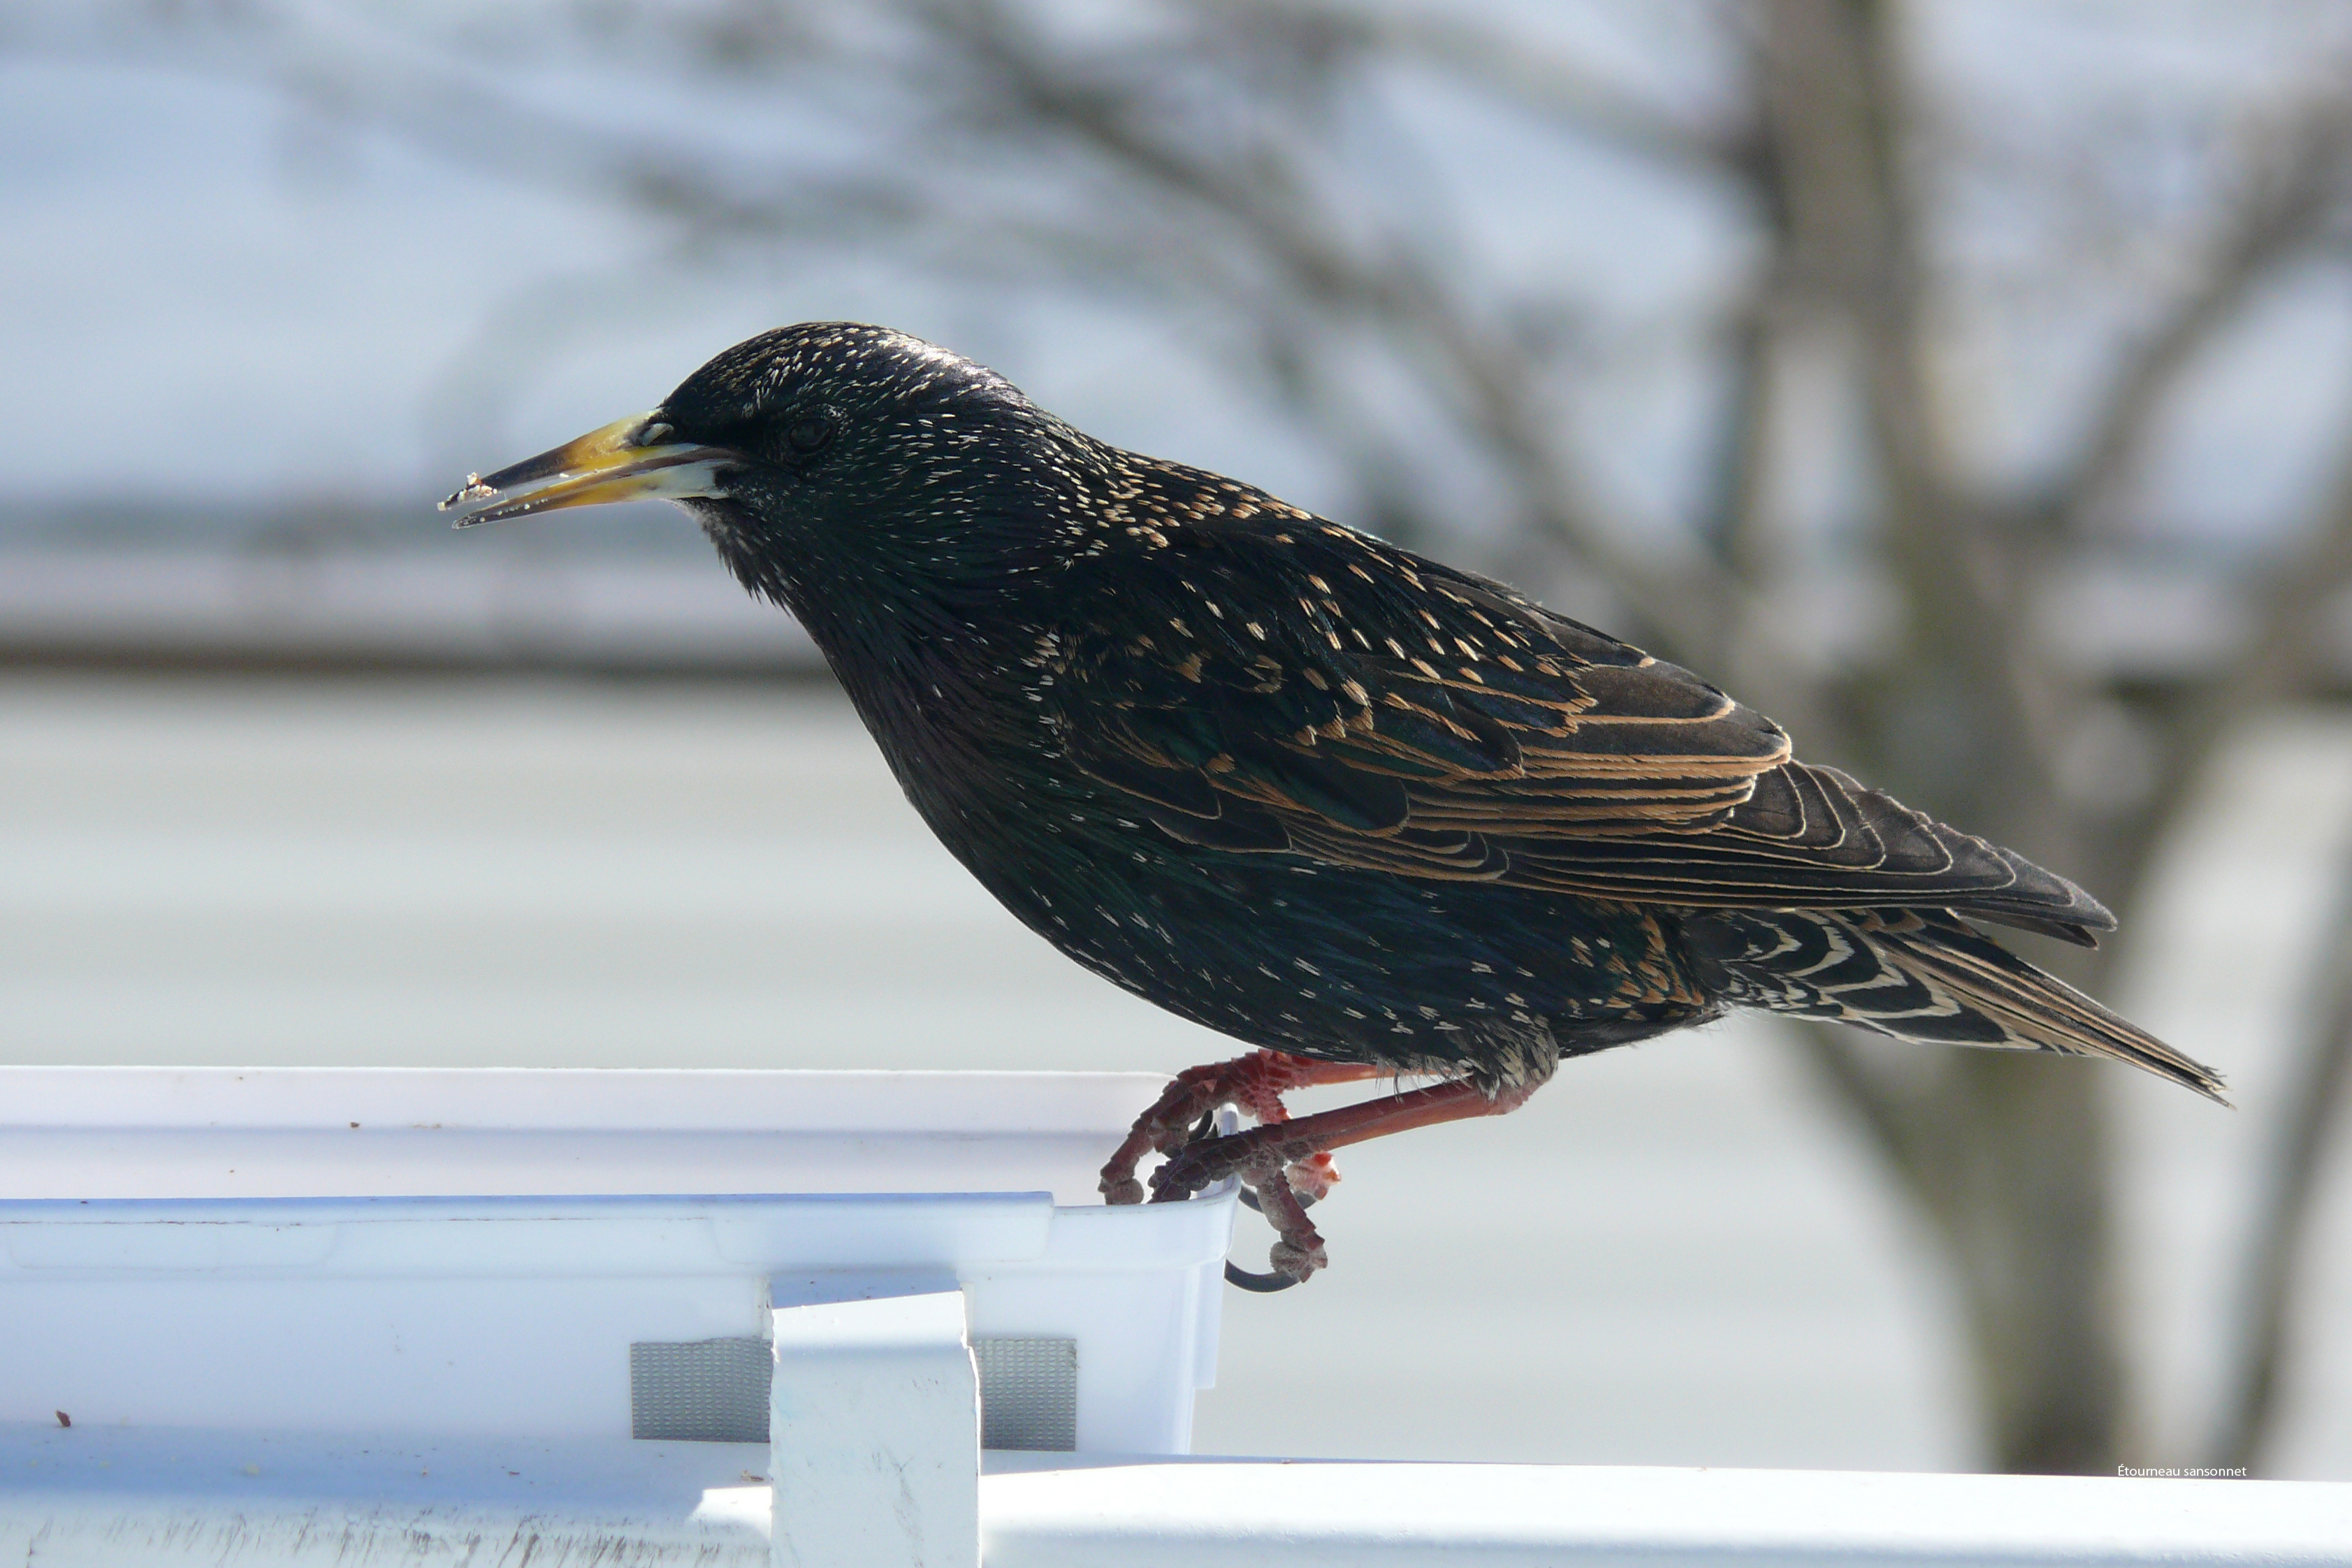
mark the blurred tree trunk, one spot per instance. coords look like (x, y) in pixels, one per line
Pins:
(2009, 1155)
(2012, 1157)
(2315, 1105)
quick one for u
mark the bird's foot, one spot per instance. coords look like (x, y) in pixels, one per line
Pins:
(1266, 1157)
(1184, 1112)
(1298, 1250)
(1255, 1154)
(1313, 1177)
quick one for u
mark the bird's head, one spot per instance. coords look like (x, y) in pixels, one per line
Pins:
(823, 444)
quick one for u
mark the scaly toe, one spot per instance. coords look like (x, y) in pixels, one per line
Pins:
(1250, 1200)
(1312, 1177)
(1294, 1262)
(1125, 1190)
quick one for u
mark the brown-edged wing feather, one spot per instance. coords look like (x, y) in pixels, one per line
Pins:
(1295, 686)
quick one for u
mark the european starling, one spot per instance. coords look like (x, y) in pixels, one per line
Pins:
(1369, 815)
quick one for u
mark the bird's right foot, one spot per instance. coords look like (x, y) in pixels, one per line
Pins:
(1255, 1083)
(1264, 1157)
(1297, 1252)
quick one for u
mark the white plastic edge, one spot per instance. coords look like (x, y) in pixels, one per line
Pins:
(114, 1496)
(574, 1099)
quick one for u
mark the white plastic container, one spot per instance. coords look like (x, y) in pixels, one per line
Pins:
(475, 1252)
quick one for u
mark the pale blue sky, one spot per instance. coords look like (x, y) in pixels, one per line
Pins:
(214, 294)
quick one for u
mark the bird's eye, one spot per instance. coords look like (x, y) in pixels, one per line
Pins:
(810, 435)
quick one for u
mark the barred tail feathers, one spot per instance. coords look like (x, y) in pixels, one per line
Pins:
(1920, 974)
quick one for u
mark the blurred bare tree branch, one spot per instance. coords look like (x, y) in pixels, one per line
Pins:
(2290, 187)
(1245, 167)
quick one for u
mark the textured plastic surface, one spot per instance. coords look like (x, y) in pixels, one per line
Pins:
(701, 1391)
(474, 1252)
(1028, 1394)
(93, 1497)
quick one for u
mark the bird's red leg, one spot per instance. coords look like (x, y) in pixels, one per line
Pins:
(1262, 1155)
(1257, 1083)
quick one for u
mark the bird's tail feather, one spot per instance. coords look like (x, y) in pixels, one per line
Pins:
(1921, 974)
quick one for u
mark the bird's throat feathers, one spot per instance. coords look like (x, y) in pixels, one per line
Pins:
(937, 583)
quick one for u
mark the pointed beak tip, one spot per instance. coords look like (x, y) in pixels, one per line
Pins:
(606, 464)
(465, 498)
(473, 504)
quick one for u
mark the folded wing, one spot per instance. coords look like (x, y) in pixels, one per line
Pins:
(1309, 690)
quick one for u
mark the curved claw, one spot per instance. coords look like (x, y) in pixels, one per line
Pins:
(1264, 1284)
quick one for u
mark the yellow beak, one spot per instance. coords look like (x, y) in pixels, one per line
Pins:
(626, 460)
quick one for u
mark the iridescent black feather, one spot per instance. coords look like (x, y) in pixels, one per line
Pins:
(1319, 793)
